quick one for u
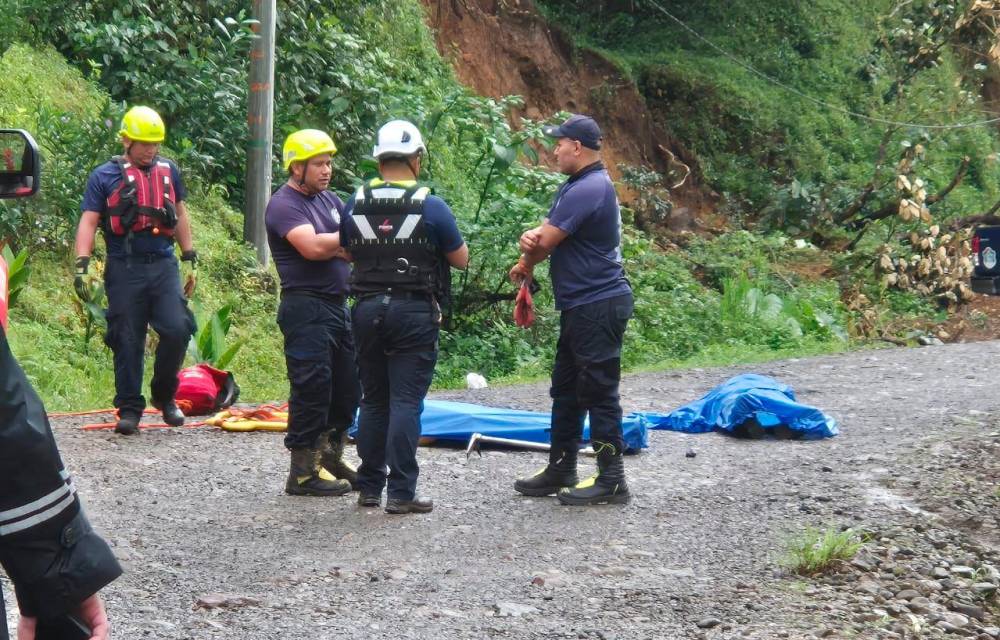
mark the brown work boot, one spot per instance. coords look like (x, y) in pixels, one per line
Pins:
(332, 445)
(417, 505)
(307, 478)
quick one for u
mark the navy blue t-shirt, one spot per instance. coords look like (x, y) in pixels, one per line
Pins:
(102, 183)
(288, 209)
(587, 266)
(442, 230)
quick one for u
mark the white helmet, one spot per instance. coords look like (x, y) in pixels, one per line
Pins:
(399, 138)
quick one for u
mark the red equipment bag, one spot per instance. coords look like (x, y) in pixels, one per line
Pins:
(203, 389)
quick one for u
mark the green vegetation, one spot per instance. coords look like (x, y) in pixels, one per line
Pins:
(817, 551)
(760, 144)
(739, 297)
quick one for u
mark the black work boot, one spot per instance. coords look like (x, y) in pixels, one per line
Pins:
(369, 500)
(307, 478)
(128, 424)
(607, 487)
(331, 451)
(417, 505)
(172, 415)
(558, 474)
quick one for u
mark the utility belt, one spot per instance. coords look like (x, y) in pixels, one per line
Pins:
(333, 298)
(389, 294)
(145, 258)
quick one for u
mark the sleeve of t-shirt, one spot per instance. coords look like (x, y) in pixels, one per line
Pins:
(290, 217)
(442, 225)
(575, 206)
(346, 223)
(180, 192)
(94, 198)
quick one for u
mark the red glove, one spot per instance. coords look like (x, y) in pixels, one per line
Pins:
(524, 307)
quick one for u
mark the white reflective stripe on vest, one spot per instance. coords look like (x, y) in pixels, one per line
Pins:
(394, 193)
(12, 520)
(388, 193)
(406, 230)
(366, 229)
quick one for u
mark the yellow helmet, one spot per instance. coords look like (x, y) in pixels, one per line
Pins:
(305, 144)
(142, 124)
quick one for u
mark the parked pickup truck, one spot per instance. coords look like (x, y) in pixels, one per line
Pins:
(19, 173)
(986, 260)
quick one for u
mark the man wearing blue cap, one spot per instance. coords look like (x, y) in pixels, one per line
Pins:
(582, 235)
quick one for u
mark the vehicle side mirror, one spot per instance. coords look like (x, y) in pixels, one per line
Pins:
(19, 164)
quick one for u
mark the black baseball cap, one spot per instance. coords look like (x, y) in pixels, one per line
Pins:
(577, 127)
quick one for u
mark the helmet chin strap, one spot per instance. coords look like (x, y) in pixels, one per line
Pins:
(412, 167)
(301, 182)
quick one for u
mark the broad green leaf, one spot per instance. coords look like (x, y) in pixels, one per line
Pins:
(503, 156)
(226, 357)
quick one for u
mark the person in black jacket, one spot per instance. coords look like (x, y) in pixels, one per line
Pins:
(55, 560)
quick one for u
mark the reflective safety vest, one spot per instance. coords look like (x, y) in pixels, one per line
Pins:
(143, 201)
(392, 249)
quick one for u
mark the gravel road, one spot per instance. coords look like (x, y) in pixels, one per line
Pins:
(214, 549)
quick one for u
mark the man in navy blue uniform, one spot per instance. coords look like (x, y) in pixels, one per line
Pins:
(582, 238)
(137, 199)
(403, 242)
(303, 231)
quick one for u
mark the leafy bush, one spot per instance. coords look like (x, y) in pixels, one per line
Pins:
(74, 125)
(17, 274)
(208, 345)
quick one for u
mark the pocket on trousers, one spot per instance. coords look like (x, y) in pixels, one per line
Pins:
(111, 332)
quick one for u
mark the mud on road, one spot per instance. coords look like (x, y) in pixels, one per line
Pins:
(214, 549)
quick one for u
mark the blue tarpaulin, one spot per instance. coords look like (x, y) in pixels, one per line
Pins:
(457, 421)
(724, 408)
(747, 397)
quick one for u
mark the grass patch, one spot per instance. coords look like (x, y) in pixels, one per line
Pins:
(815, 551)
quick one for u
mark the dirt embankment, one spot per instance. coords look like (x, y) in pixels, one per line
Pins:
(504, 47)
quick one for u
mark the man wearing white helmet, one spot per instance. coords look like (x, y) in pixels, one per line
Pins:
(303, 222)
(403, 241)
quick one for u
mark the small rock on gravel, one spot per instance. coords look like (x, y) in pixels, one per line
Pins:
(513, 609)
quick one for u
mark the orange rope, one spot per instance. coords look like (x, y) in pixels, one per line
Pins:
(97, 426)
(70, 414)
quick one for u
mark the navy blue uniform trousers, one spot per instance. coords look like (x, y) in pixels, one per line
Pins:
(322, 374)
(145, 290)
(587, 372)
(397, 350)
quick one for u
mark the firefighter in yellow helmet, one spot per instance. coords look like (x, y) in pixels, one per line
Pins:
(137, 200)
(303, 232)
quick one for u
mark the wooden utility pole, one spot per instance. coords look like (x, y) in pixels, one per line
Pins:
(260, 120)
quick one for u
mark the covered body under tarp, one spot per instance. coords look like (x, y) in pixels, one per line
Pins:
(747, 399)
(446, 421)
